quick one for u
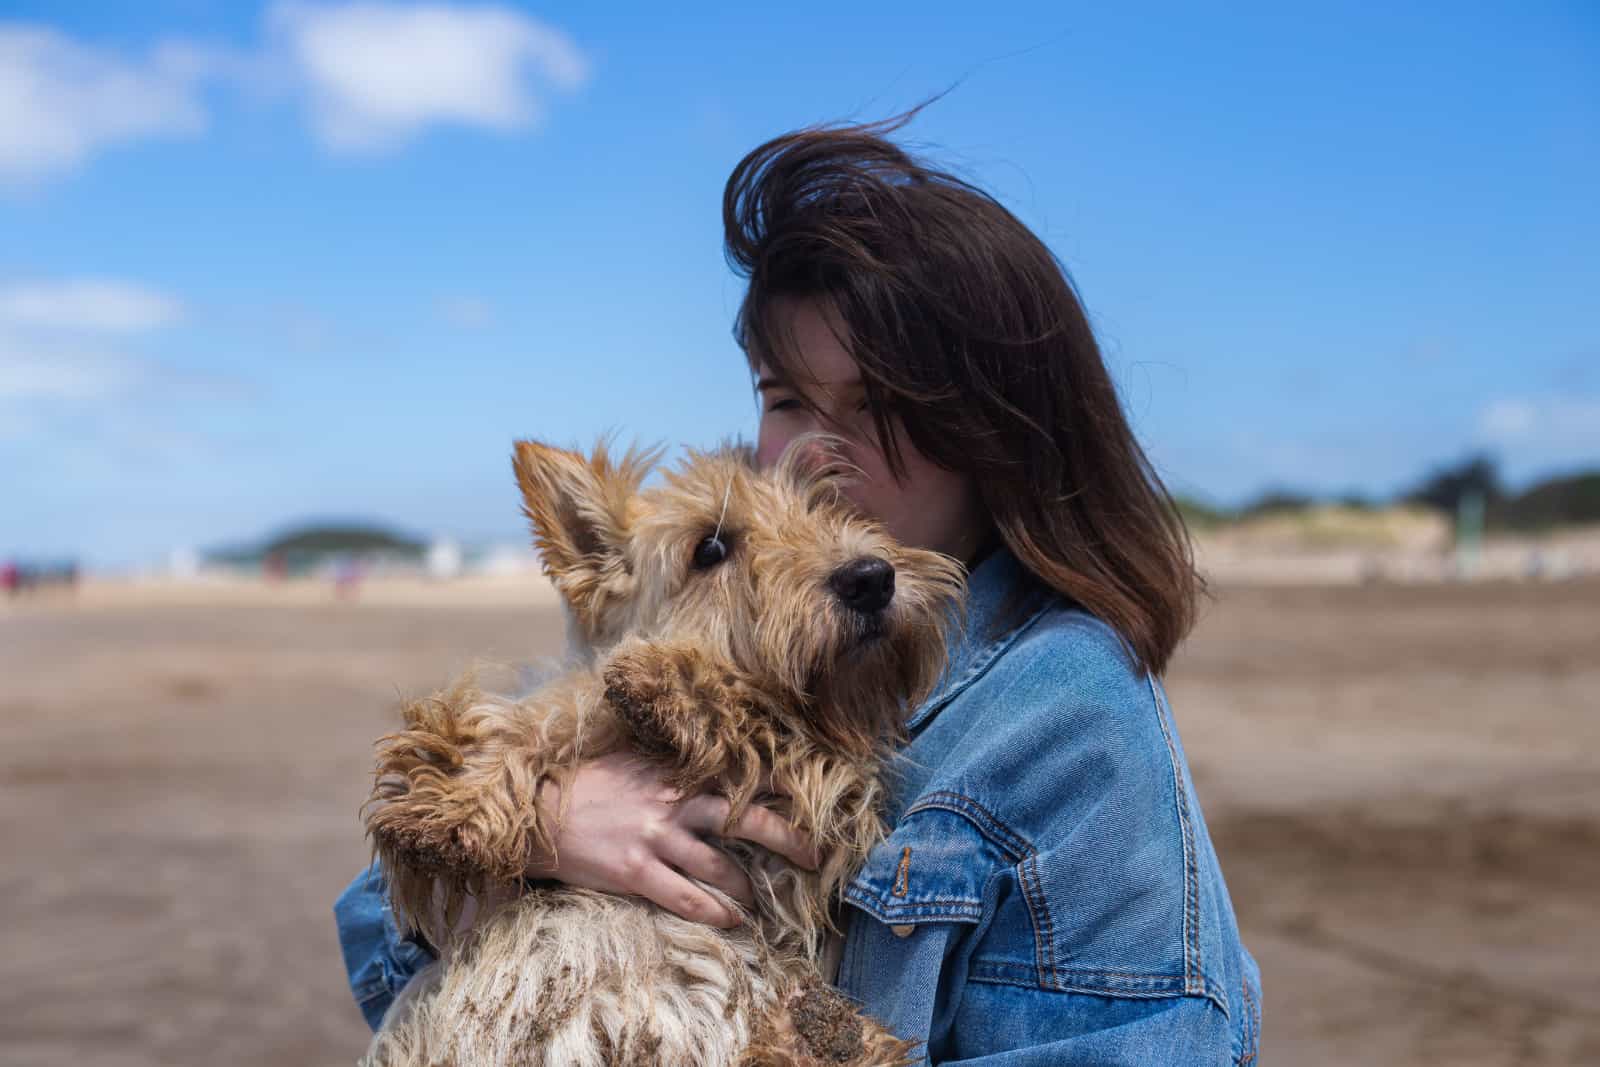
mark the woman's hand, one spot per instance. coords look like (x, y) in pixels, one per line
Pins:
(626, 831)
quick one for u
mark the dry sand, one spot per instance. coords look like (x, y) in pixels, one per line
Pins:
(1403, 785)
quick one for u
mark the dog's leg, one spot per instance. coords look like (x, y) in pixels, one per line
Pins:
(454, 809)
(693, 712)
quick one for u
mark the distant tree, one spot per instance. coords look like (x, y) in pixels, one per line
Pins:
(1277, 501)
(1445, 488)
(1356, 501)
(301, 549)
(325, 539)
(1199, 515)
(1564, 501)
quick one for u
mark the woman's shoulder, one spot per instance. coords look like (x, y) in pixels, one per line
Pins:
(1048, 797)
(1057, 704)
(1072, 654)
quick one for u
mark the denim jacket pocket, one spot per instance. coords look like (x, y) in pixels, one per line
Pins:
(920, 897)
(933, 868)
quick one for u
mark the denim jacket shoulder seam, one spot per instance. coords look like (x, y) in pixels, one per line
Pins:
(1194, 981)
(1251, 1031)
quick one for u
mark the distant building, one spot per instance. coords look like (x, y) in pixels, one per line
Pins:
(443, 560)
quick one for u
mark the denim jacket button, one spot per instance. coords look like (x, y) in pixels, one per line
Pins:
(903, 930)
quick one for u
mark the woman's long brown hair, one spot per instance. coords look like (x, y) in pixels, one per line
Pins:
(969, 332)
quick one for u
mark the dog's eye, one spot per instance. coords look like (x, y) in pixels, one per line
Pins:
(709, 553)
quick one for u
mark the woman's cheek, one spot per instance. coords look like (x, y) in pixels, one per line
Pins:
(772, 437)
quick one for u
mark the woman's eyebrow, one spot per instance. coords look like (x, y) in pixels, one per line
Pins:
(848, 385)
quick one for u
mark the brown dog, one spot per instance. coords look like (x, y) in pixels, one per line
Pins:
(757, 638)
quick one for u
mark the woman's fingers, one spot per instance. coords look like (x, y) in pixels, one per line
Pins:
(662, 885)
(708, 814)
(699, 860)
(767, 828)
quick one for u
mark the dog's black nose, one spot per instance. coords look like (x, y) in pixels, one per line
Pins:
(865, 585)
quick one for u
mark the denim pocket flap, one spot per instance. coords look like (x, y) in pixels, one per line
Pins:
(933, 868)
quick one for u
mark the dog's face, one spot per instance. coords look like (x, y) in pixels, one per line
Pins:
(773, 571)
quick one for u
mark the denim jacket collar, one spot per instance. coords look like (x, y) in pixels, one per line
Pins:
(993, 588)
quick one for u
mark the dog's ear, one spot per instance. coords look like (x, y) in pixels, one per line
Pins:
(580, 512)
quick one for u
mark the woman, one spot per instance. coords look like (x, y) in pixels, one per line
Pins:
(1048, 894)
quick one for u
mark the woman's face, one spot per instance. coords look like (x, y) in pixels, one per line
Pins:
(930, 508)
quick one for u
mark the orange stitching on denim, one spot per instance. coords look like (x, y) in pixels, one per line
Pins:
(1043, 931)
(965, 904)
(1252, 1026)
(1015, 845)
(903, 874)
(1026, 860)
(1194, 980)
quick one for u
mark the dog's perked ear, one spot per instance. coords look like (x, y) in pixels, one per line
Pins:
(579, 510)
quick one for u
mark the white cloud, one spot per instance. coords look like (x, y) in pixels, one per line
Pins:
(1534, 435)
(27, 375)
(53, 392)
(61, 100)
(379, 73)
(86, 304)
(373, 76)
(1572, 420)
(1506, 419)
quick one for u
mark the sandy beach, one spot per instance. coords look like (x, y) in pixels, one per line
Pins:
(1403, 784)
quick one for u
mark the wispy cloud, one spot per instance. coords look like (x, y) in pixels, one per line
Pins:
(1506, 420)
(371, 75)
(1541, 432)
(89, 304)
(62, 376)
(70, 358)
(28, 374)
(82, 411)
(377, 74)
(1566, 420)
(60, 100)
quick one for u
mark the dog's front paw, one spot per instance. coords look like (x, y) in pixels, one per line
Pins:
(647, 687)
(690, 710)
(388, 787)
(677, 704)
(426, 798)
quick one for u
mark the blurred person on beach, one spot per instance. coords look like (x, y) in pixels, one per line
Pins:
(1048, 893)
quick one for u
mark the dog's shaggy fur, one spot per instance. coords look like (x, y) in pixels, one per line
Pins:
(751, 667)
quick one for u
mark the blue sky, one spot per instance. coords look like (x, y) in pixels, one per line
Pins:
(264, 263)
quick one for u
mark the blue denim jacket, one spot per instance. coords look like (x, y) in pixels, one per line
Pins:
(1048, 894)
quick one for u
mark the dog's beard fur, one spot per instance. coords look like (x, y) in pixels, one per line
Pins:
(748, 678)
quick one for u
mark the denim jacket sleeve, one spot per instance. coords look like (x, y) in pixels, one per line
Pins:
(378, 957)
